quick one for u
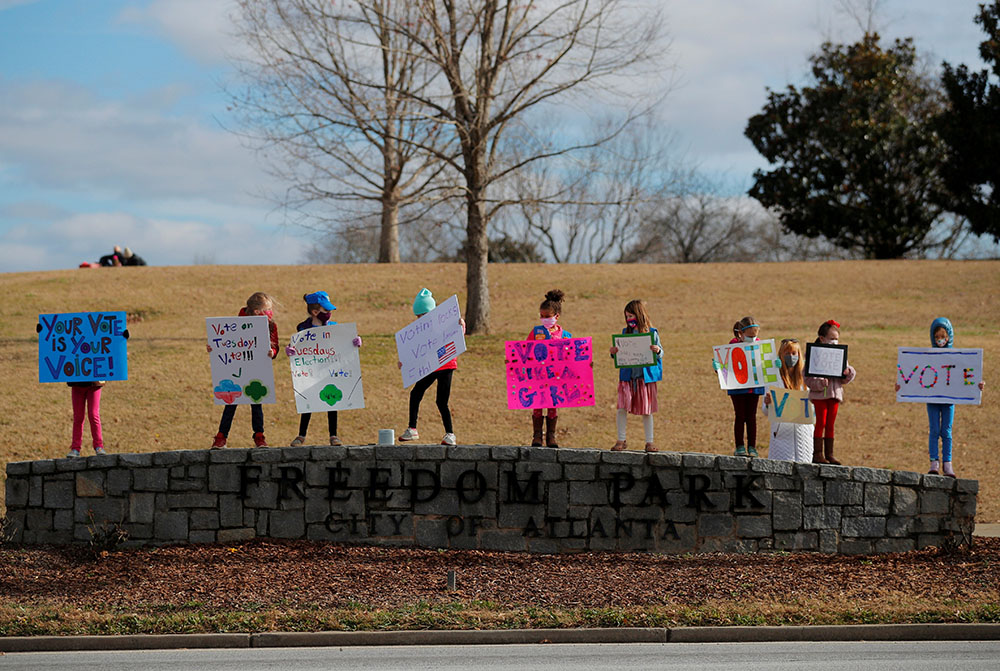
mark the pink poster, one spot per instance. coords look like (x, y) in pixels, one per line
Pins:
(549, 373)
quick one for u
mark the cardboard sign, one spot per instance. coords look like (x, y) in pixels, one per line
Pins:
(939, 375)
(326, 369)
(633, 350)
(825, 360)
(241, 366)
(549, 373)
(82, 346)
(790, 406)
(744, 365)
(430, 342)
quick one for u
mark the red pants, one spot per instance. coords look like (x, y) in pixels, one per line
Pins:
(91, 398)
(826, 415)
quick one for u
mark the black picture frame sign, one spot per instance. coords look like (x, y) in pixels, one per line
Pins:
(829, 361)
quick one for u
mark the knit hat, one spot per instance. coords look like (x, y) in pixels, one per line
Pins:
(127, 253)
(424, 302)
(320, 298)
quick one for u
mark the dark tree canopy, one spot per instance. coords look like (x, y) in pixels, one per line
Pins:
(971, 131)
(855, 158)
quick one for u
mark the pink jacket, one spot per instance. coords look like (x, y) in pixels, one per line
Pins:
(821, 388)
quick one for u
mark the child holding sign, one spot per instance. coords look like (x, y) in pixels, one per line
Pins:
(548, 312)
(258, 304)
(320, 310)
(637, 386)
(941, 415)
(790, 441)
(422, 304)
(826, 395)
(745, 400)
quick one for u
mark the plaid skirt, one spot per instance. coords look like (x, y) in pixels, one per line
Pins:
(639, 398)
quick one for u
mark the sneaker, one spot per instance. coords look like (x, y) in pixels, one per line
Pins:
(98, 450)
(220, 441)
(741, 451)
(449, 439)
(409, 434)
(258, 440)
(73, 452)
(751, 451)
(335, 441)
(298, 441)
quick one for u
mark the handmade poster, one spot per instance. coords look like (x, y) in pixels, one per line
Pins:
(825, 360)
(430, 342)
(241, 364)
(790, 406)
(633, 350)
(326, 369)
(82, 346)
(744, 365)
(939, 375)
(549, 373)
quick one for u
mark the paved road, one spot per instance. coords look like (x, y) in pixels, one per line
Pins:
(908, 656)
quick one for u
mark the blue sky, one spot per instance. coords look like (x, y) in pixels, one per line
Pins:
(112, 122)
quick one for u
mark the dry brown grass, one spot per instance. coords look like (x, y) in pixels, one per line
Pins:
(166, 403)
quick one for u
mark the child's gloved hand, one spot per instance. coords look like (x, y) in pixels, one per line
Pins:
(126, 334)
(777, 363)
(289, 350)
(715, 365)
(38, 328)
(357, 341)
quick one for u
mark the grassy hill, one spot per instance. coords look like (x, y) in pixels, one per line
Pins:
(167, 404)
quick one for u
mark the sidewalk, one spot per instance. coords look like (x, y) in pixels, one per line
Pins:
(987, 530)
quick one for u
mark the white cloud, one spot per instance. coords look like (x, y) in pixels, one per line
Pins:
(67, 242)
(60, 135)
(202, 29)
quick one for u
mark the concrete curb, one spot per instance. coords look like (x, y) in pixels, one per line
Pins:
(861, 632)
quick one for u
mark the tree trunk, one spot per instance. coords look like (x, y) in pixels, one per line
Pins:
(477, 311)
(388, 246)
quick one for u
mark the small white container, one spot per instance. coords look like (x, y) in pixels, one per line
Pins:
(386, 437)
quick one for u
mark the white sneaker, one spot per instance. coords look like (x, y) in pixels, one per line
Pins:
(98, 450)
(73, 453)
(449, 439)
(409, 434)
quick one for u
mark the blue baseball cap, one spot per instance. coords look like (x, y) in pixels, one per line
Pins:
(320, 298)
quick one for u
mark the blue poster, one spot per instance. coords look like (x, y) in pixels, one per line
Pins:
(82, 346)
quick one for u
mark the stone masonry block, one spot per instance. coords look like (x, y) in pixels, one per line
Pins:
(904, 501)
(934, 502)
(579, 456)
(90, 484)
(877, 498)
(171, 526)
(863, 527)
(58, 494)
(150, 480)
(775, 466)
(906, 478)
(17, 491)
(787, 511)
(844, 493)
(141, 507)
(706, 461)
(753, 526)
(878, 475)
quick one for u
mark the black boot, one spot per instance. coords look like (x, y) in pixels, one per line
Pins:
(550, 431)
(536, 425)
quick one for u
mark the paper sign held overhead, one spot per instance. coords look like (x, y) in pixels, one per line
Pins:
(82, 346)
(431, 341)
(939, 375)
(746, 365)
(326, 369)
(549, 373)
(240, 358)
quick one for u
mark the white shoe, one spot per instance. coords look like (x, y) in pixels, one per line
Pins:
(409, 434)
(449, 439)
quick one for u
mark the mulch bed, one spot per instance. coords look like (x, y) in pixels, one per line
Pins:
(302, 573)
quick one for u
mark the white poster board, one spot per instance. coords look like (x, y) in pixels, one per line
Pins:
(326, 369)
(241, 364)
(939, 375)
(790, 406)
(430, 342)
(745, 365)
(633, 350)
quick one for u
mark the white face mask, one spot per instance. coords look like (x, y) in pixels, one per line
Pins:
(942, 342)
(832, 342)
(748, 338)
(548, 322)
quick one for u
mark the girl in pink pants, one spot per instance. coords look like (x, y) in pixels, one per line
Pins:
(86, 398)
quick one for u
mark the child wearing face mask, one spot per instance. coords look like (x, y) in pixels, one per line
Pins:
(789, 441)
(941, 415)
(745, 400)
(637, 386)
(320, 310)
(826, 395)
(548, 312)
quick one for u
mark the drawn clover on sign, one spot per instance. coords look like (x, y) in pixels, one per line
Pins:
(255, 390)
(330, 394)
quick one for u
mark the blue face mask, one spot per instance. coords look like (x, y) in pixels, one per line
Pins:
(632, 323)
(791, 360)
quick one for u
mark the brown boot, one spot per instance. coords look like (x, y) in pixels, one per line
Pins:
(818, 450)
(536, 425)
(550, 432)
(828, 451)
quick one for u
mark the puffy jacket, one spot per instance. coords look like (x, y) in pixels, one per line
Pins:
(649, 373)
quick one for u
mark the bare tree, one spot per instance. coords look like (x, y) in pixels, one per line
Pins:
(330, 99)
(499, 62)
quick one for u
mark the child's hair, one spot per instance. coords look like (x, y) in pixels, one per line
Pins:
(742, 324)
(637, 307)
(825, 327)
(791, 375)
(259, 301)
(553, 301)
(311, 306)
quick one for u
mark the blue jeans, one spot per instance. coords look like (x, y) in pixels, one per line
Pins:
(940, 416)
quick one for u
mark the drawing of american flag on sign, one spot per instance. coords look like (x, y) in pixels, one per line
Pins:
(446, 351)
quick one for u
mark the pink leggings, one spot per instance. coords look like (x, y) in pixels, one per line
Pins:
(91, 398)
(826, 415)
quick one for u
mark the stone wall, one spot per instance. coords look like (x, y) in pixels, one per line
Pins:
(488, 497)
